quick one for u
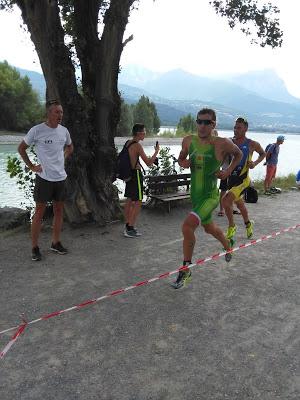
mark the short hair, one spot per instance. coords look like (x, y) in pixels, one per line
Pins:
(137, 128)
(50, 103)
(209, 111)
(242, 120)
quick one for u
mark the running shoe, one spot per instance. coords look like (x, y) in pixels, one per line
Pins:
(35, 254)
(183, 278)
(58, 248)
(267, 193)
(275, 190)
(231, 231)
(137, 233)
(130, 233)
(228, 256)
(249, 229)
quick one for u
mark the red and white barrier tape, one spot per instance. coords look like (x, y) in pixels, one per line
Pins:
(13, 339)
(142, 283)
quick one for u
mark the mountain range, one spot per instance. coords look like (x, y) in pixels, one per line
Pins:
(260, 96)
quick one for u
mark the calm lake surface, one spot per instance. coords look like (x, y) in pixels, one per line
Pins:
(289, 162)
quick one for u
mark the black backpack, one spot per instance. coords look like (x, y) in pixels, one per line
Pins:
(251, 195)
(124, 169)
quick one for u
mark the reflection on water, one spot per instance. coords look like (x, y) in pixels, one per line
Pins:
(289, 162)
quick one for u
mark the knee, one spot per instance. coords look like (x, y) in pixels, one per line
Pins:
(186, 229)
(39, 210)
(225, 202)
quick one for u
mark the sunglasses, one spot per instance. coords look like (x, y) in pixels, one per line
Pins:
(204, 121)
(51, 102)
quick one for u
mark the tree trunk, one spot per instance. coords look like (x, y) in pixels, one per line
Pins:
(93, 118)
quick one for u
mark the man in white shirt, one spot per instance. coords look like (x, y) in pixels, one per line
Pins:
(53, 144)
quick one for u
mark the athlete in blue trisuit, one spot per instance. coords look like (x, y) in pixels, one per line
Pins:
(239, 179)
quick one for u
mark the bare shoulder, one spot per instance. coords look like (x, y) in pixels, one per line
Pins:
(187, 140)
(137, 147)
(222, 141)
(254, 145)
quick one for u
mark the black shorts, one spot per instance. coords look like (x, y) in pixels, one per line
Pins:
(46, 191)
(134, 188)
(223, 185)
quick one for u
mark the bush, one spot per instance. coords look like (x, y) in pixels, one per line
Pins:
(25, 177)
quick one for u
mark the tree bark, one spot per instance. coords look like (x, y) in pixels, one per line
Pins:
(93, 118)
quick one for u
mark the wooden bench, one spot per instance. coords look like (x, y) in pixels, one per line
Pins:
(167, 188)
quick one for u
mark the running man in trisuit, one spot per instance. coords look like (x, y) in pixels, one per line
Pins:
(204, 154)
(239, 179)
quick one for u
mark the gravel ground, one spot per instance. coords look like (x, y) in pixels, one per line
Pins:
(233, 333)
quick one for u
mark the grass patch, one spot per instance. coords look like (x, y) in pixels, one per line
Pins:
(284, 182)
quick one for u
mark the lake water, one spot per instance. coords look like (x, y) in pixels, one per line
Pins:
(289, 162)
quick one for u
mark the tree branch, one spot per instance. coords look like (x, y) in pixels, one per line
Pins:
(129, 39)
(251, 16)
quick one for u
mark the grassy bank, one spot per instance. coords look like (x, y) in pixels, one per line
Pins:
(283, 182)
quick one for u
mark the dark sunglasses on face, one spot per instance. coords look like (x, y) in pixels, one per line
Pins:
(204, 121)
(52, 102)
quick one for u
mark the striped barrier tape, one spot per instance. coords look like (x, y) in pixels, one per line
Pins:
(13, 339)
(202, 261)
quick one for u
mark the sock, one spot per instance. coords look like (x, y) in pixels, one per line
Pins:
(187, 262)
(129, 228)
(247, 223)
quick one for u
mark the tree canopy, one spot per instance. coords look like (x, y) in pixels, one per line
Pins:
(20, 107)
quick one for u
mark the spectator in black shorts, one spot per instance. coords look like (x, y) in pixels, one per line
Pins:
(52, 144)
(134, 187)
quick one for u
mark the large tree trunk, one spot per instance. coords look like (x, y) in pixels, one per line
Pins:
(92, 118)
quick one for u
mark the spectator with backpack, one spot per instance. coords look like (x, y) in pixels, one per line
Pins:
(272, 152)
(129, 169)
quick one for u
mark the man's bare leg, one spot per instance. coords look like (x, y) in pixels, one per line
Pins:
(214, 230)
(58, 210)
(222, 194)
(241, 206)
(188, 229)
(134, 212)
(189, 226)
(227, 201)
(37, 223)
(127, 210)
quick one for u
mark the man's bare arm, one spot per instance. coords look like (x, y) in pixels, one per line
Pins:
(147, 160)
(258, 149)
(22, 151)
(182, 159)
(68, 150)
(230, 149)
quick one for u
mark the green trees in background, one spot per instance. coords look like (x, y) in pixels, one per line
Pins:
(20, 107)
(186, 124)
(126, 120)
(144, 112)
